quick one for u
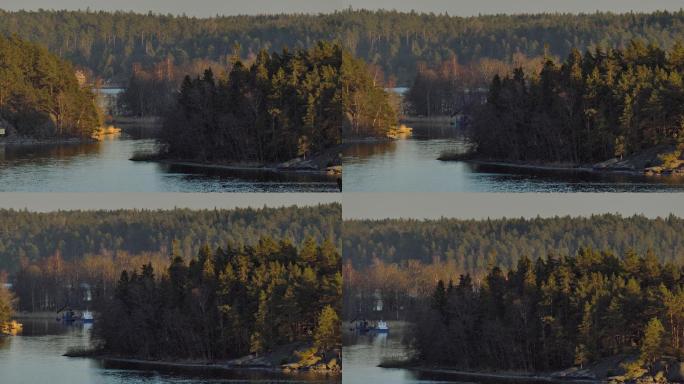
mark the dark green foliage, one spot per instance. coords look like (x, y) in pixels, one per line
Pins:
(282, 106)
(605, 104)
(224, 304)
(472, 246)
(449, 88)
(39, 93)
(401, 259)
(35, 236)
(109, 43)
(554, 313)
(146, 96)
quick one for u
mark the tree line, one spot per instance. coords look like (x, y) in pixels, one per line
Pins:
(449, 88)
(282, 106)
(53, 282)
(151, 90)
(227, 303)
(40, 95)
(109, 43)
(399, 260)
(27, 237)
(557, 312)
(607, 103)
(473, 245)
(401, 288)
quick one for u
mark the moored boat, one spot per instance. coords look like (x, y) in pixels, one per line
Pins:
(87, 317)
(381, 327)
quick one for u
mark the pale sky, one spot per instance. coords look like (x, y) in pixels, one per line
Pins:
(203, 8)
(43, 202)
(511, 205)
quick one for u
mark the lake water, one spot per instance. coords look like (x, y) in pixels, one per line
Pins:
(105, 167)
(411, 166)
(361, 354)
(35, 357)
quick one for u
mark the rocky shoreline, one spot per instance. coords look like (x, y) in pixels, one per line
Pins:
(575, 376)
(251, 362)
(317, 164)
(608, 370)
(645, 163)
(650, 171)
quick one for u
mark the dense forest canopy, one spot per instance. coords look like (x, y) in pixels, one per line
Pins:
(282, 106)
(40, 95)
(109, 43)
(28, 237)
(593, 107)
(554, 313)
(473, 245)
(402, 259)
(227, 303)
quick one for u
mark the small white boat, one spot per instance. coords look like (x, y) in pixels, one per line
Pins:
(87, 317)
(382, 327)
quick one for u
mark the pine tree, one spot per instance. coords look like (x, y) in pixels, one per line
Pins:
(327, 332)
(652, 343)
(260, 338)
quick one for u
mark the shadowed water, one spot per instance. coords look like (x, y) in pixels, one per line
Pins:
(361, 354)
(35, 356)
(411, 166)
(105, 167)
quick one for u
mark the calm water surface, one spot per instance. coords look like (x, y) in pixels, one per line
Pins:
(35, 357)
(361, 354)
(105, 167)
(411, 166)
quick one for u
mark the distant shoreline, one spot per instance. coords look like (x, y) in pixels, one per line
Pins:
(29, 141)
(36, 315)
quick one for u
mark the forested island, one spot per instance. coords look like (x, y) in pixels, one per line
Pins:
(606, 109)
(241, 288)
(281, 107)
(230, 303)
(562, 298)
(590, 310)
(40, 96)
